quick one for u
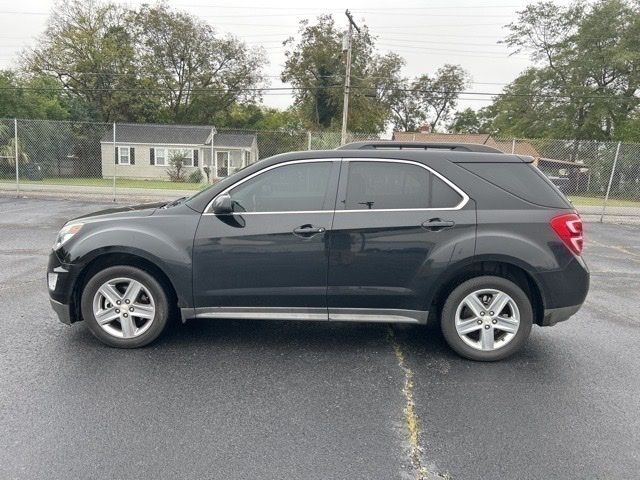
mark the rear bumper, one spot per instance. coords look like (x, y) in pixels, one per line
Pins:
(555, 315)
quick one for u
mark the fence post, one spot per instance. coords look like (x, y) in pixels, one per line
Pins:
(308, 139)
(613, 170)
(17, 155)
(513, 146)
(115, 165)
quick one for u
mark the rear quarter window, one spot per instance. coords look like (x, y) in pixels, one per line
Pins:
(523, 180)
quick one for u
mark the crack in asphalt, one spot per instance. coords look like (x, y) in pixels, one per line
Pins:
(411, 420)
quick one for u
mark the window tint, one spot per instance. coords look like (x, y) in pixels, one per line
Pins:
(383, 185)
(520, 179)
(295, 187)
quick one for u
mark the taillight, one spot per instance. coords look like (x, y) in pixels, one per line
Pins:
(569, 228)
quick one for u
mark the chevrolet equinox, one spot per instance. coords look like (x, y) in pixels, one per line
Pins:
(461, 234)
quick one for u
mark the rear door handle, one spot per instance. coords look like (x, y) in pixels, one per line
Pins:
(436, 224)
(308, 230)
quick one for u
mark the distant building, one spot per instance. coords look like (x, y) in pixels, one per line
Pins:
(520, 147)
(144, 151)
(565, 174)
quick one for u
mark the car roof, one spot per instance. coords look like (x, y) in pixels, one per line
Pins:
(403, 154)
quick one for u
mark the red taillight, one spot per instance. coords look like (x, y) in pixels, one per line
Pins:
(569, 228)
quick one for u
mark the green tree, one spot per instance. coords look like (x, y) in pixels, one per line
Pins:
(587, 71)
(31, 97)
(472, 121)
(253, 116)
(150, 64)
(89, 49)
(315, 68)
(406, 112)
(427, 99)
(438, 94)
(197, 74)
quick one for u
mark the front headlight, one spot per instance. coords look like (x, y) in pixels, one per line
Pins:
(67, 232)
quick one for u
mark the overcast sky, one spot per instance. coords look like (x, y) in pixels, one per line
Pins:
(427, 34)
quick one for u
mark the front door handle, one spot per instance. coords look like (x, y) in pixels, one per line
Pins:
(308, 230)
(437, 224)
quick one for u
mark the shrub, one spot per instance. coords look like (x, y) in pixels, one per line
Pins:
(195, 176)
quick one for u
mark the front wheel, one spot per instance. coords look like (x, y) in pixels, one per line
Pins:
(487, 318)
(125, 307)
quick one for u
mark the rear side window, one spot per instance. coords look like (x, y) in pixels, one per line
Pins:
(393, 185)
(522, 180)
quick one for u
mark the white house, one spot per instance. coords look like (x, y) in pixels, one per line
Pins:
(144, 150)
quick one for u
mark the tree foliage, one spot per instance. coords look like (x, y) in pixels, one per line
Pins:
(472, 121)
(315, 68)
(429, 99)
(150, 64)
(31, 97)
(198, 74)
(586, 76)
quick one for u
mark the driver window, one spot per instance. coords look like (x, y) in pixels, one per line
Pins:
(293, 187)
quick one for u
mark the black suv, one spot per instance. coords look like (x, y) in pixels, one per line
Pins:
(392, 232)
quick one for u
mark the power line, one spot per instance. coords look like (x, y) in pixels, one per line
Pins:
(139, 73)
(5, 12)
(407, 90)
(261, 7)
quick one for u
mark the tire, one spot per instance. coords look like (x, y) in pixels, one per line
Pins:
(147, 314)
(486, 340)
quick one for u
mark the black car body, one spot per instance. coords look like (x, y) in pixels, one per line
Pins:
(363, 233)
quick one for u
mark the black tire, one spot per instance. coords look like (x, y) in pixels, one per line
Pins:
(154, 287)
(447, 320)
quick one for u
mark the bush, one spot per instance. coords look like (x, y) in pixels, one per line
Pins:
(195, 176)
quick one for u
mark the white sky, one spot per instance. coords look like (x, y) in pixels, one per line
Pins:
(426, 34)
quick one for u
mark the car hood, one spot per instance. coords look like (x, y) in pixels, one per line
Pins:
(141, 210)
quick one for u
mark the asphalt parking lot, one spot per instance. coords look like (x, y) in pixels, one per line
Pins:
(245, 399)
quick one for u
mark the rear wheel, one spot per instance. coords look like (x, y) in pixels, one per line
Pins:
(487, 318)
(125, 307)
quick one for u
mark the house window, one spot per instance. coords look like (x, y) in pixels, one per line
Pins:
(185, 153)
(123, 156)
(247, 157)
(160, 156)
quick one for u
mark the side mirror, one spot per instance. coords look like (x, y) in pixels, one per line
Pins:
(223, 205)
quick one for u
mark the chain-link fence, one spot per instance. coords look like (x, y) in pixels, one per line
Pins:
(122, 161)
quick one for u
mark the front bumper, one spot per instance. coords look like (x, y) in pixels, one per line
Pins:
(63, 311)
(61, 297)
(556, 315)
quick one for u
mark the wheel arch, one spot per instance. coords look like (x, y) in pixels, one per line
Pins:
(131, 258)
(508, 268)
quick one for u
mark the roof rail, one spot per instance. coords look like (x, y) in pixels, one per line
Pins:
(395, 145)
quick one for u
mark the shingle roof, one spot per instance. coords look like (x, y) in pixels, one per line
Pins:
(175, 135)
(233, 139)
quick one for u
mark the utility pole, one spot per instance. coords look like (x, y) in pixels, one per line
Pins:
(346, 46)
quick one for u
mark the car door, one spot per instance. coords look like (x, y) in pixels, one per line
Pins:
(397, 226)
(269, 258)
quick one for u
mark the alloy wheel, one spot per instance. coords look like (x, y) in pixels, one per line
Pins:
(487, 319)
(124, 307)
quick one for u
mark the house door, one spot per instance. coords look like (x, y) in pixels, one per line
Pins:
(222, 164)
